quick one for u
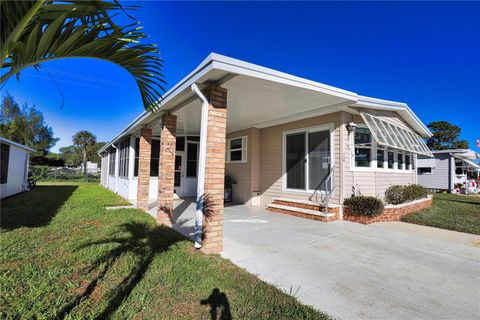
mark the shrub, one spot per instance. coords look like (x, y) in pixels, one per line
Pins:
(414, 192)
(363, 205)
(400, 194)
(395, 195)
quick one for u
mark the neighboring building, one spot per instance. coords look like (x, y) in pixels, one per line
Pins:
(447, 168)
(92, 168)
(276, 135)
(13, 167)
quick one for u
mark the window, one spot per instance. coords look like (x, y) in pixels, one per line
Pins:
(400, 161)
(307, 160)
(124, 151)
(380, 158)
(390, 159)
(192, 156)
(424, 170)
(180, 144)
(363, 147)
(5, 158)
(237, 149)
(407, 162)
(155, 158)
(137, 157)
(111, 168)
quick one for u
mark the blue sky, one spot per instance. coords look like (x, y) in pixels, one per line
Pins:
(425, 54)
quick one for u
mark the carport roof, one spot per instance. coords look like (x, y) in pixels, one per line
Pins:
(221, 69)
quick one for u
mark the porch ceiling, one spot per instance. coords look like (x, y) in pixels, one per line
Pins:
(260, 103)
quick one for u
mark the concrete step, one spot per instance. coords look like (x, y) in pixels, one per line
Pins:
(302, 213)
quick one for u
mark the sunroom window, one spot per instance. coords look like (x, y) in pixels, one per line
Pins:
(400, 161)
(407, 162)
(380, 158)
(391, 160)
(363, 147)
(237, 149)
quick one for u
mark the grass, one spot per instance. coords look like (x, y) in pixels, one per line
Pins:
(452, 212)
(63, 255)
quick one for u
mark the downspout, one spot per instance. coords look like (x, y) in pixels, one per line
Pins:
(201, 167)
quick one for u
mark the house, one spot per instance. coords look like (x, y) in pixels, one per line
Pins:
(282, 138)
(447, 168)
(13, 167)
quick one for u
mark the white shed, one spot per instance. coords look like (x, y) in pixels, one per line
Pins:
(13, 167)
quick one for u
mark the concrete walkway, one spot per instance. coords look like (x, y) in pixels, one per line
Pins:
(354, 271)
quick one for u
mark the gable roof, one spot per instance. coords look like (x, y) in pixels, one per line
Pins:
(219, 68)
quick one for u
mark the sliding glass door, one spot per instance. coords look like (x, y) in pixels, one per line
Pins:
(307, 159)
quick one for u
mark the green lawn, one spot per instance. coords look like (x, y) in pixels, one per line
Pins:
(453, 212)
(63, 255)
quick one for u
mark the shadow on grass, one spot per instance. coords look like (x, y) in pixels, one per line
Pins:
(35, 208)
(218, 302)
(141, 239)
(465, 201)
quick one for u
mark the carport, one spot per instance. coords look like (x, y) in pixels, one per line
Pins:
(352, 271)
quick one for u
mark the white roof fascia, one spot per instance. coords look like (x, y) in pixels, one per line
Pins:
(249, 69)
(16, 144)
(380, 104)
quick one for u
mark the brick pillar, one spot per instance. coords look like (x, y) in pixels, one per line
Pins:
(145, 152)
(166, 169)
(215, 170)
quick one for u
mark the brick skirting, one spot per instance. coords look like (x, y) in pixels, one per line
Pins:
(390, 213)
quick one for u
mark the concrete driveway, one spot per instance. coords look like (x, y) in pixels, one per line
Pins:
(353, 271)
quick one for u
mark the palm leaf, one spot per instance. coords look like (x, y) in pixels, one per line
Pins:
(33, 33)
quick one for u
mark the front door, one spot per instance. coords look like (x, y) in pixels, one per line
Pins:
(179, 174)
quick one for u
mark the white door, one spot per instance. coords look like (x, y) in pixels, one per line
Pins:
(179, 174)
(191, 169)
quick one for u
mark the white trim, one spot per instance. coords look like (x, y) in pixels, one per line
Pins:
(324, 127)
(373, 158)
(243, 148)
(10, 142)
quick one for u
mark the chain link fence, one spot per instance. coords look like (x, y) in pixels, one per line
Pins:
(46, 173)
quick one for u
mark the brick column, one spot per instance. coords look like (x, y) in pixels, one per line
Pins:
(215, 170)
(166, 169)
(143, 185)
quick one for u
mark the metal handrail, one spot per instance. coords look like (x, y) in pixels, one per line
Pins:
(326, 194)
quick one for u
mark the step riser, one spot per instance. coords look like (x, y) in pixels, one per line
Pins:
(299, 205)
(302, 215)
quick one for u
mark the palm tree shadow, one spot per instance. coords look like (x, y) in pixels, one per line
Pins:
(218, 301)
(144, 242)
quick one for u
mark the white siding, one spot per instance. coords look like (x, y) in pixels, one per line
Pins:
(439, 178)
(17, 172)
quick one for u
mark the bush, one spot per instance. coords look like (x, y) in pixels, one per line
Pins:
(363, 205)
(395, 195)
(414, 192)
(400, 194)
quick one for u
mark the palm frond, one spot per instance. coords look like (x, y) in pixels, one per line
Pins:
(70, 29)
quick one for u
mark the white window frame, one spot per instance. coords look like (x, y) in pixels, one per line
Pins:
(243, 148)
(373, 157)
(325, 127)
(424, 173)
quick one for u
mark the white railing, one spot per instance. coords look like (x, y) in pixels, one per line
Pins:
(324, 191)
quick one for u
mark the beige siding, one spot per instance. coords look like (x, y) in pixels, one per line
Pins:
(241, 172)
(372, 183)
(272, 158)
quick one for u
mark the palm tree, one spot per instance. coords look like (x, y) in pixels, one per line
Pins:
(33, 32)
(84, 139)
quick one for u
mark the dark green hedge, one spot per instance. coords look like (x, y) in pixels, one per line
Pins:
(364, 205)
